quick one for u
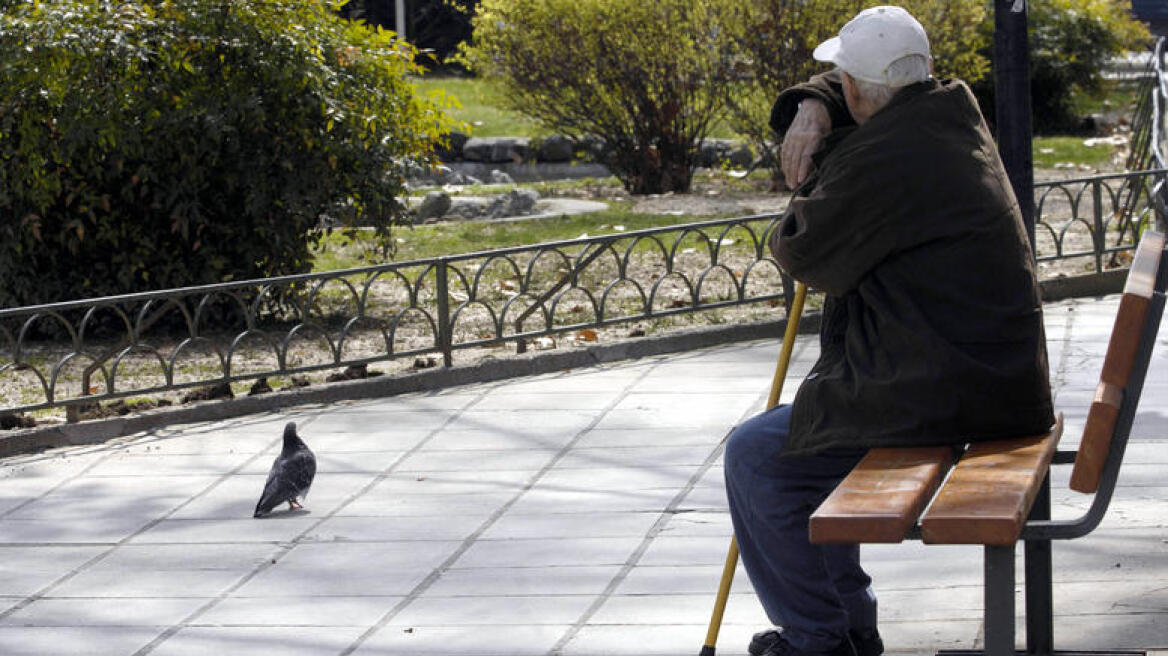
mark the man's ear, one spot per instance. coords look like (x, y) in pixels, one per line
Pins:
(849, 84)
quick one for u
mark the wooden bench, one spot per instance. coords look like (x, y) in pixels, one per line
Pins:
(998, 492)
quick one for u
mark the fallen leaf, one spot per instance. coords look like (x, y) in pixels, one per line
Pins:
(586, 335)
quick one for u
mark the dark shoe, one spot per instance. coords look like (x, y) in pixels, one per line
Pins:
(866, 642)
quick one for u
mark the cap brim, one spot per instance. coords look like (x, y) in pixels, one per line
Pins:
(828, 50)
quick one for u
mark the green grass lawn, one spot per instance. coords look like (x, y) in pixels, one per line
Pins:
(1059, 152)
(427, 241)
(483, 108)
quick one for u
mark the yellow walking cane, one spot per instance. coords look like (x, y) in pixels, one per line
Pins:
(776, 389)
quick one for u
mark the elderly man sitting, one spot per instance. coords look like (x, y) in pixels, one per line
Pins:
(932, 330)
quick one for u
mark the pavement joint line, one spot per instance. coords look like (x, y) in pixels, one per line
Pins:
(1059, 377)
(68, 576)
(288, 546)
(663, 518)
(471, 539)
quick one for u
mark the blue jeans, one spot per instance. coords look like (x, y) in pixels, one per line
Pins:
(815, 592)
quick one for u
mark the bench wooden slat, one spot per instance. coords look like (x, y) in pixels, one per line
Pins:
(1117, 364)
(880, 500)
(990, 491)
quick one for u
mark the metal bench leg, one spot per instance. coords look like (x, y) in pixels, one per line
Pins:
(999, 601)
(1039, 583)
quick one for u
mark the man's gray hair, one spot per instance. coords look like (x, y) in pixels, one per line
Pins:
(902, 72)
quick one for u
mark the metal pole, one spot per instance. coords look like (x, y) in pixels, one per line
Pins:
(1039, 580)
(399, 18)
(999, 601)
(1012, 103)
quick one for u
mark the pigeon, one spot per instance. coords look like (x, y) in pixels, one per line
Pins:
(291, 474)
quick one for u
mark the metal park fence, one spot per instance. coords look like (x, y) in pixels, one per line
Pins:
(84, 351)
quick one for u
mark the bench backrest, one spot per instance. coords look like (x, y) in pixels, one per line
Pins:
(1131, 322)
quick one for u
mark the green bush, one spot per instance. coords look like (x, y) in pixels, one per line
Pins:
(646, 77)
(159, 143)
(1070, 43)
(775, 39)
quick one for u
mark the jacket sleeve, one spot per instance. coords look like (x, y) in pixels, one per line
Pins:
(832, 238)
(827, 87)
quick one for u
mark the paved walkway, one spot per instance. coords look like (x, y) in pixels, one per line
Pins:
(580, 513)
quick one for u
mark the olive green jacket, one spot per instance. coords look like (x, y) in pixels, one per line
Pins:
(932, 332)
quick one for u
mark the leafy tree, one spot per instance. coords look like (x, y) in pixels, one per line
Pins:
(647, 77)
(1070, 43)
(774, 40)
(159, 143)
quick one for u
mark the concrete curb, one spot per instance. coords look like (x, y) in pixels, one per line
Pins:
(101, 430)
(1095, 284)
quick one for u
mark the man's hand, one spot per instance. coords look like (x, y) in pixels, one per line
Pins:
(804, 137)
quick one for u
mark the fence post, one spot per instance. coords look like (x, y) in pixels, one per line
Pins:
(444, 337)
(1099, 238)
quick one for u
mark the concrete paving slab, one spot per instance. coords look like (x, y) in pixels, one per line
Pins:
(494, 612)
(152, 612)
(569, 525)
(503, 438)
(426, 460)
(291, 640)
(86, 530)
(74, 640)
(666, 609)
(275, 529)
(304, 611)
(544, 501)
(535, 581)
(444, 528)
(603, 438)
(651, 580)
(550, 552)
(419, 505)
(110, 584)
(402, 640)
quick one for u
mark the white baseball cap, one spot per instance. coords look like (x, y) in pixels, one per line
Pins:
(871, 41)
